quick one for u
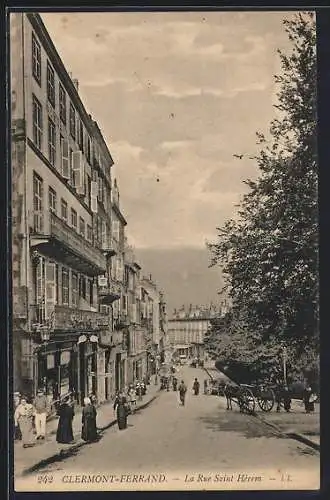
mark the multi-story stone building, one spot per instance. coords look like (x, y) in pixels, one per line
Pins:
(136, 332)
(61, 200)
(77, 324)
(155, 321)
(187, 329)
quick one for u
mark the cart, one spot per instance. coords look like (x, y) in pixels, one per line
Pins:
(245, 395)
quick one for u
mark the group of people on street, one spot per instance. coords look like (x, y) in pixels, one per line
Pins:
(182, 389)
(30, 418)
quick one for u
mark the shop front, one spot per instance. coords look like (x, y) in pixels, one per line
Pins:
(56, 370)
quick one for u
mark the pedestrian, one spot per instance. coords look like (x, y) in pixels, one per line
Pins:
(41, 411)
(89, 430)
(175, 383)
(23, 418)
(286, 399)
(182, 392)
(196, 387)
(309, 399)
(131, 395)
(120, 407)
(205, 386)
(64, 434)
(17, 432)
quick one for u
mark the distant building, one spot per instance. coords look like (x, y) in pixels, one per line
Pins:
(187, 329)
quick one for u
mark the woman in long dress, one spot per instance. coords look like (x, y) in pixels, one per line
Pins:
(89, 429)
(120, 406)
(17, 432)
(64, 434)
(23, 418)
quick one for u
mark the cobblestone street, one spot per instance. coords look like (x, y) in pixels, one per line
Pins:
(198, 438)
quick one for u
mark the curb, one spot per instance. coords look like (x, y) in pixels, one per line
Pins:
(208, 373)
(290, 435)
(57, 457)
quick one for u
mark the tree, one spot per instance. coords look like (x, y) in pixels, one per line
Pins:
(269, 255)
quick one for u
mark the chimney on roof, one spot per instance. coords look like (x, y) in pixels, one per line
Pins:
(76, 83)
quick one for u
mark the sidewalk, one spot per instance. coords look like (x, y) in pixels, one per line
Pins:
(296, 424)
(29, 459)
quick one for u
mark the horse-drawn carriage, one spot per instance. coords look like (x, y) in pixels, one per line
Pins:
(243, 388)
(165, 374)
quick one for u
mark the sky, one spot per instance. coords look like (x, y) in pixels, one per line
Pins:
(176, 95)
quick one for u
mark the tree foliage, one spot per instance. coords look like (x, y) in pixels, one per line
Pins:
(269, 253)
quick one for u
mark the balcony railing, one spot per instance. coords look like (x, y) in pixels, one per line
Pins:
(62, 317)
(75, 242)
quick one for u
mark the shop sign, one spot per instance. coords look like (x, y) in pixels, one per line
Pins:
(79, 320)
(103, 281)
(50, 361)
(65, 357)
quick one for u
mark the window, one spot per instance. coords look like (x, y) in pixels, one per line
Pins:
(74, 219)
(51, 142)
(37, 122)
(89, 233)
(50, 84)
(70, 167)
(72, 119)
(52, 201)
(36, 59)
(80, 135)
(64, 210)
(88, 153)
(100, 196)
(38, 202)
(82, 226)
(82, 287)
(88, 190)
(91, 292)
(74, 281)
(65, 287)
(65, 161)
(62, 99)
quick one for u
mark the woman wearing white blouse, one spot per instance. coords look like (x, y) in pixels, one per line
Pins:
(23, 417)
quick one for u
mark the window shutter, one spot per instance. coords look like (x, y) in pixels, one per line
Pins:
(103, 234)
(40, 282)
(40, 291)
(94, 197)
(50, 275)
(79, 171)
(65, 159)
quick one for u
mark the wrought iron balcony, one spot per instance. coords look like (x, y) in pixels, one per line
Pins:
(66, 245)
(67, 318)
(108, 294)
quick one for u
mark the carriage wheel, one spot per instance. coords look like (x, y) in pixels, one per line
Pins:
(246, 400)
(266, 400)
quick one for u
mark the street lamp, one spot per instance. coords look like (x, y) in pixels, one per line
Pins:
(44, 331)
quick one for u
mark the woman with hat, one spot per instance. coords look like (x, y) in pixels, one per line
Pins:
(64, 434)
(23, 417)
(121, 408)
(89, 429)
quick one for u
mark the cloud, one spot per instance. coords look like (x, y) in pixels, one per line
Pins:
(176, 95)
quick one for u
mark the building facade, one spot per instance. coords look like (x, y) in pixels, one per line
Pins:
(61, 209)
(187, 330)
(77, 296)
